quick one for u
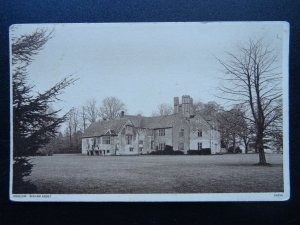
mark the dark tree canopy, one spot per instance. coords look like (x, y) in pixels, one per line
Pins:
(34, 121)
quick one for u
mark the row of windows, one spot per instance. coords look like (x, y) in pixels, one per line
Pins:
(105, 140)
(98, 152)
(161, 146)
(162, 132)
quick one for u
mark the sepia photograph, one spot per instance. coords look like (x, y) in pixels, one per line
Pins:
(159, 112)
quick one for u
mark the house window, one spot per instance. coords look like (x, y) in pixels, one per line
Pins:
(98, 140)
(199, 133)
(181, 146)
(131, 149)
(106, 140)
(141, 142)
(107, 151)
(152, 144)
(129, 139)
(129, 129)
(161, 132)
(161, 146)
(181, 133)
(199, 145)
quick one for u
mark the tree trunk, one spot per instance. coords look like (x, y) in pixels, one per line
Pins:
(246, 145)
(233, 142)
(260, 147)
(70, 137)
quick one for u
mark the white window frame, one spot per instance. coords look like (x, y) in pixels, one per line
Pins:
(106, 140)
(129, 139)
(162, 132)
(199, 144)
(161, 146)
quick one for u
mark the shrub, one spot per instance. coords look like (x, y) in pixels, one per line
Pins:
(178, 152)
(204, 151)
(44, 152)
(167, 151)
(238, 150)
(234, 151)
(22, 168)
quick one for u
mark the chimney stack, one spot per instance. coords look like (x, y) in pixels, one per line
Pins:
(122, 114)
(176, 105)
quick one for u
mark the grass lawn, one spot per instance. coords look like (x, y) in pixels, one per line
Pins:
(74, 174)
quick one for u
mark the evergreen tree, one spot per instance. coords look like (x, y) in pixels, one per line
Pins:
(34, 123)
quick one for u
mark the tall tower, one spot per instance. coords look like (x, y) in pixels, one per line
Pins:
(186, 105)
(176, 105)
(192, 112)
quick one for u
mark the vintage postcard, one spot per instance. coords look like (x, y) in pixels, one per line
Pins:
(177, 111)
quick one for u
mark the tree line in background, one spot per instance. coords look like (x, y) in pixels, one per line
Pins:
(78, 119)
(236, 132)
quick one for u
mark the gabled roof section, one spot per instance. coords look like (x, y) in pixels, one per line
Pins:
(136, 120)
(157, 122)
(113, 127)
(110, 127)
(203, 120)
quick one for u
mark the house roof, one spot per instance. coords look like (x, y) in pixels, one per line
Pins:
(113, 127)
(136, 120)
(157, 122)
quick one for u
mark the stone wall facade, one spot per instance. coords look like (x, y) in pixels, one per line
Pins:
(184, 130)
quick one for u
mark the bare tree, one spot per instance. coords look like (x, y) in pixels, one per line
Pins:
(91, 110)
(84, 117)
(111, 108)
(163, 110)
(234, 128)
(252, 79)
(70, 125)
(210, 110)
(139, 113)
(76, 125)
(198, 106)
(73, 125)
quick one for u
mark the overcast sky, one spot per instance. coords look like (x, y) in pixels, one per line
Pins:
(143, 64)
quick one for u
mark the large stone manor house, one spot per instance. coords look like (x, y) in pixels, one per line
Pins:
(134, 135)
